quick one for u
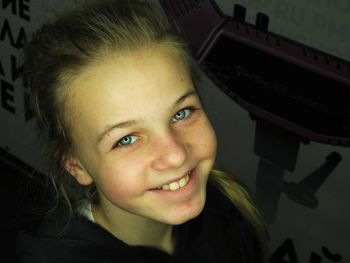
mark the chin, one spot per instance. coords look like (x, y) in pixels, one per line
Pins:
(182, 216)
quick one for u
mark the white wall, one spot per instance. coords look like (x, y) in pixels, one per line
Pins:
(325, 25)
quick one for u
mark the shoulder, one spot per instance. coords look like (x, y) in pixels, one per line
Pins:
(230, 232)
(54, 240)
(81, 241)
(217, 202)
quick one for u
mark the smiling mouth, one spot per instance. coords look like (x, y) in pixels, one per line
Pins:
(173, 186)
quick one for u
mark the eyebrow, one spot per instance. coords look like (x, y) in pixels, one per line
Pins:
(129, 123)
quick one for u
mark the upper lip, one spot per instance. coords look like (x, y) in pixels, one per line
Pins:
(174, 180)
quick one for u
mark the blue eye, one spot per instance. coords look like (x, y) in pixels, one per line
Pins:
(126, 141)
(182, 114)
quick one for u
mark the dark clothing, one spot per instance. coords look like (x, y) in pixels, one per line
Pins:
(218, 235)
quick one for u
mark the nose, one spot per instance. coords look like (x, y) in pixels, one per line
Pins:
(170, 152)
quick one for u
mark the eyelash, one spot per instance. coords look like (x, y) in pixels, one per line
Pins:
(190, 109)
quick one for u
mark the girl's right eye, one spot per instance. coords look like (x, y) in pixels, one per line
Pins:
(126, 141)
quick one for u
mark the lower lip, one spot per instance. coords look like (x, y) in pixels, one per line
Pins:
(182, 192)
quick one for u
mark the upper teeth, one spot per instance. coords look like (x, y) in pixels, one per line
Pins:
(176, 185)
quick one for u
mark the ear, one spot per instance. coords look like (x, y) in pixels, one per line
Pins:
(74, 167)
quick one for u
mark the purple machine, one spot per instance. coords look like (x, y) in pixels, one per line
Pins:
(295, 93)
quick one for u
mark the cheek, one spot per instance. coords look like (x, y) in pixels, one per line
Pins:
(205, 139)
(118, 182)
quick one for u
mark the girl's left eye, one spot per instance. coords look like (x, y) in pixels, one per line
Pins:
(182, 114)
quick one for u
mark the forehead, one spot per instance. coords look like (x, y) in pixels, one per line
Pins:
(125, 83)
(127, 69)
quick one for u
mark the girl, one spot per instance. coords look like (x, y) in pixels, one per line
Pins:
(115, 94)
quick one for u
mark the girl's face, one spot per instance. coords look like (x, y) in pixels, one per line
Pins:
(141, 135)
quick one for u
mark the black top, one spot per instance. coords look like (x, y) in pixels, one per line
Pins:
(219, 234)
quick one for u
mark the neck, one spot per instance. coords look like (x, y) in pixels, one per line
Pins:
(135, 230)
